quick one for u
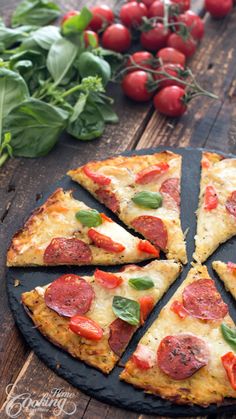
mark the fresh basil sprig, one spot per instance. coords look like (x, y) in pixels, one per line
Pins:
(141, 283)
(126, 309)
(89, 218)
(35, 12)
(229, 335)
(147, 199)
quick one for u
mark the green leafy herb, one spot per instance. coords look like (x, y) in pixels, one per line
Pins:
(90, 218)
(126, 309)
(35, 127)
(147, 199)
(78, 23)
(35, 12)
(90, 123)
(60, 59)
(10, 36)
(92, 65)
(229, 335)
(46, 36)
(141, 283)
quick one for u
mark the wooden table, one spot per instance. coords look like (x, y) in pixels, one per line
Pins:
(210, 124)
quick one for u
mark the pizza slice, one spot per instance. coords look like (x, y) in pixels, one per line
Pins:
(184, 356)
(64, 231)
(227, 274)
(217, 205)
(94, 318)
(144, 192)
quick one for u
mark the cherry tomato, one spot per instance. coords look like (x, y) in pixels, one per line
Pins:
(147, 247)
(172, 70)
(171, 55)
(68, 15)
(144, 358)
(156, 9)
(155, 38)
(151, 173)
(131, 13)
(146, 305)
(117, 38)
(169, 101)
(87, 35)
(107, 279)
(134, 85)
(229, 363)
(146, 2)
(187, 47)
(96, 177)
(105, 242)
(183, 5)
(85, 327)
(211, 198)
(193, 22)
(102, 16)
(178, 308)
(140, 58)
(219, 8)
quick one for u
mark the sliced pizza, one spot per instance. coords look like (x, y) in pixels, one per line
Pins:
(144, 192)
(64, 231)
(94, 318)
(216, 215)
(184, 356)
(227, 274)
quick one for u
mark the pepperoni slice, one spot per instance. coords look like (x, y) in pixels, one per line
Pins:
(153, 229)
(202, 300)
(107, 279)
(150, 173)
(231, 204)
(69, 295)
(144, 358)
(120, 335)
(108, 198)
(172, 187)
(96, 177)
(182, 355)
(105, 242)
(211, 198)
(67, 251)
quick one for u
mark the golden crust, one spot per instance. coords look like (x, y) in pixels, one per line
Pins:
(208, 385)
(220, 173)
(56, 218)
(122, 170)
(226, 275)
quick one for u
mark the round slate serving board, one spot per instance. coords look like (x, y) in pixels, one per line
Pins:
(110, 389)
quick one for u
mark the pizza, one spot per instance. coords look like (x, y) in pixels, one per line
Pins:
(144, 192)
(216, 215)
(184, 357)
(227, 274)
(94, 318)
(65, 231)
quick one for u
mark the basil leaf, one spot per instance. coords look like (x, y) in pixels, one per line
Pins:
(35, 12)
(89, 218)
(46, 36)
(147, 199)
(89, 125)
(229, 335)
(35, 127)
(13, 91)
(108, 114)
(60, 59)
(126, 309)
(9, 36)
(141, 283)
(77, 23)
(37, 59)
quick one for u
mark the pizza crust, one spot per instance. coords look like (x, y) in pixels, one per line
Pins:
(226, 275)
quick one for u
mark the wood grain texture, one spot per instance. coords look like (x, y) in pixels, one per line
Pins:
(22, 181)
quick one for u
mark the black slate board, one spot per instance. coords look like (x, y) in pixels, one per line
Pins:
(109, 389)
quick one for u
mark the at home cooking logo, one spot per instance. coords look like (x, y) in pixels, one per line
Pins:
(57, 402)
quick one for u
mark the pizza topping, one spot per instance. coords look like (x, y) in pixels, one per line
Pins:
(89, 218)
(144, 358)
(171, 187)
(141, 283)
(69, 295)
(229, 335)
(105, 242)
(126, 309)
(211, 198)
(229, 363)
(231, 204)
(128, 267)
(145, 246)
(107, 279)
(182, 355)
(146, 305)
(108, 198)
(96, 177)
(120, 334)
(231, 266)
(178, 308)
(106, 218)
(202, 300)
(153, 229)
(151, 173)
(205, 163)
(86, 328)
(145, 199)
(67, 251)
